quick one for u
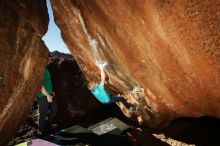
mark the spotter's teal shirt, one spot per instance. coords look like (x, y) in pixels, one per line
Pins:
(100, 93)
(47, 83)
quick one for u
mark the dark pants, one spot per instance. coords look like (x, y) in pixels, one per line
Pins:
(119, 99)
(46, 109)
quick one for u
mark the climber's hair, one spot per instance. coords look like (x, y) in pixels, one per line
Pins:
(92, 85)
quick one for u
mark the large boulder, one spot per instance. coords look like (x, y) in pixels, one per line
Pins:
(23, 57)
(74, 100)
(163, 54)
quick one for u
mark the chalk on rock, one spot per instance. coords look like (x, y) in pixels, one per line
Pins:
(94, 43)
(102, 65)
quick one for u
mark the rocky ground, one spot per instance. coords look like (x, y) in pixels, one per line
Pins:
(29, 130)
(182, 132)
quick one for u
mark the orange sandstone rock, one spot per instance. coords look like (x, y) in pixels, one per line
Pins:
(163, 54)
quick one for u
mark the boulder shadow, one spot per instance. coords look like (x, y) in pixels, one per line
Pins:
(199, 131)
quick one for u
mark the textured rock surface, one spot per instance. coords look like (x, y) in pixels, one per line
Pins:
(163, 54)
(22, 53)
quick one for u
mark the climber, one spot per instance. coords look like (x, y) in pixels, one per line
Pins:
(100, 93)
(47, 103)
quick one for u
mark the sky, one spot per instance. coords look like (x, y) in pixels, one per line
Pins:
(53, 38)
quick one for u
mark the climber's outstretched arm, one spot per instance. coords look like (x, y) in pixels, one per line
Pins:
(102, 76)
